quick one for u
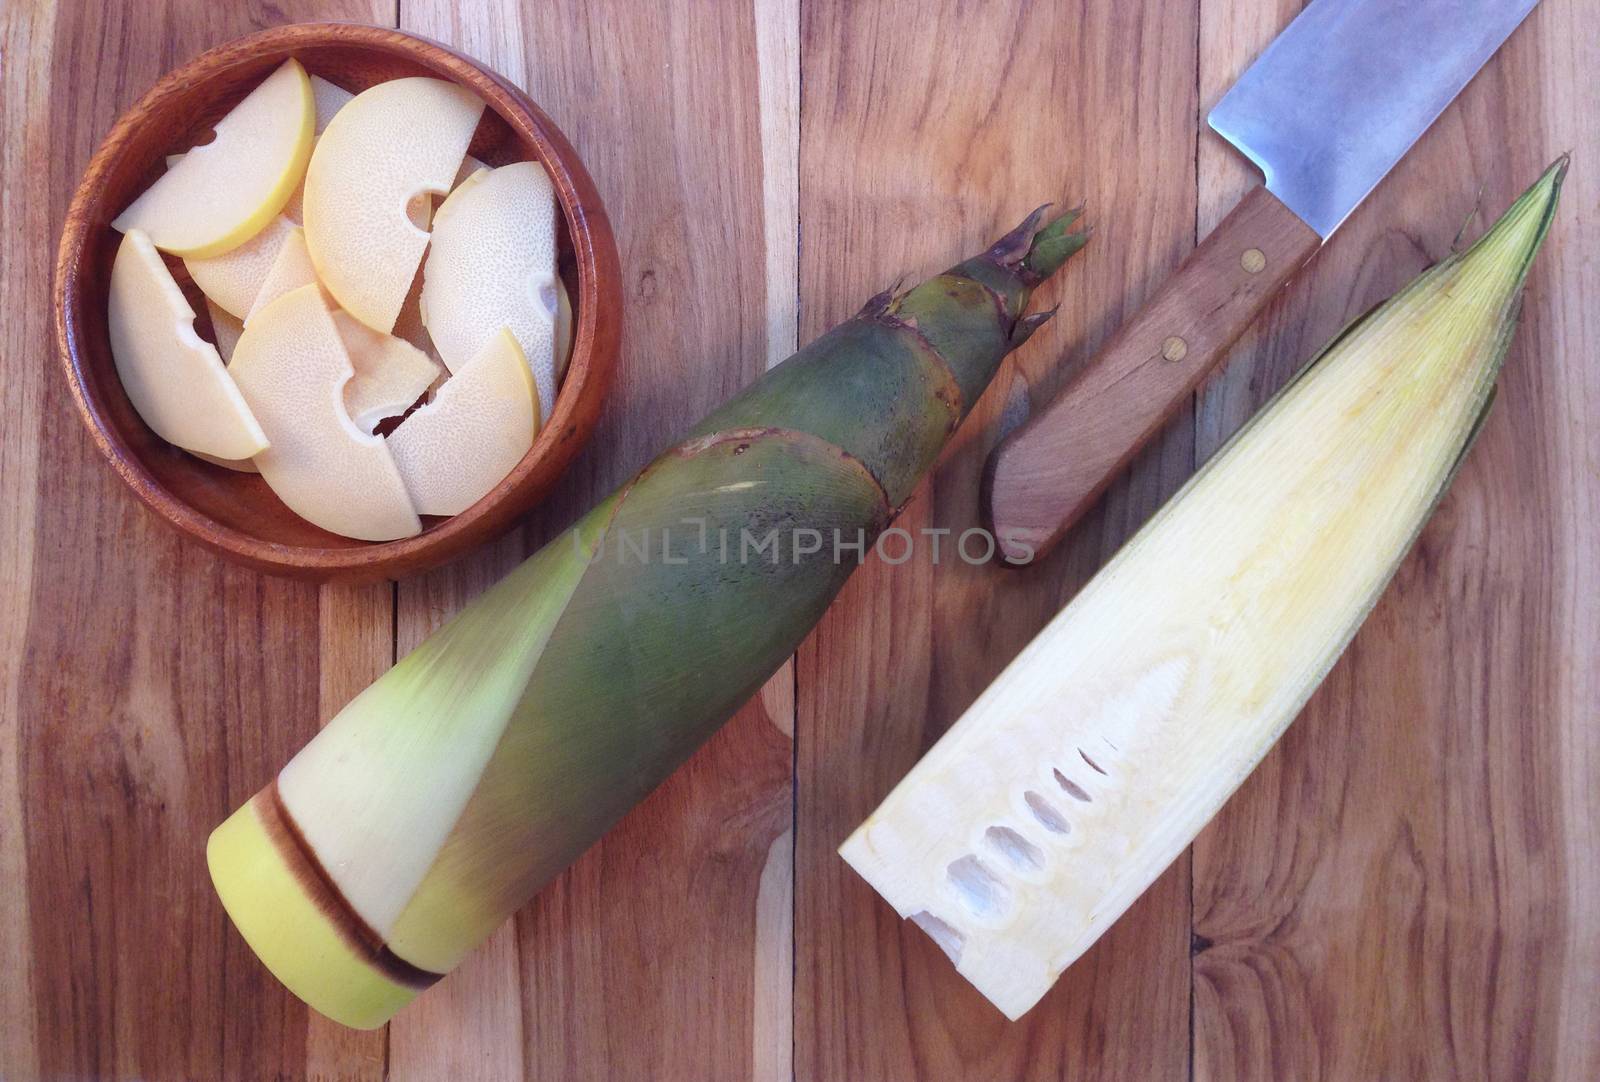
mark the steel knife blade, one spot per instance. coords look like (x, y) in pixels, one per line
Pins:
(1340, 96)
(1326, 111)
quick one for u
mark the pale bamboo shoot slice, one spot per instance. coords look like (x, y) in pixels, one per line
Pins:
(174, 378)
(327, 99)
(419, 209)
(390, 373)
(493, 265)
(290, 270)
(395, 141)
(233, 280)
(225, 329)
(563, 329)
(221, 194)
(292, 367)
(454, 450)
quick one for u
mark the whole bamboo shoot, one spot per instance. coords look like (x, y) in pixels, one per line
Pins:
(1099, 754)
(440, 799)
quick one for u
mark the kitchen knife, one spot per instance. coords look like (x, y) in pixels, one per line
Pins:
(1326, 111)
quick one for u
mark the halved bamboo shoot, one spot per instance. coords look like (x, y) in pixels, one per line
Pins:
(1106, 746)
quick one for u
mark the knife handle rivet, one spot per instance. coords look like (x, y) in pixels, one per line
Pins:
(1254, 260)
(1174, 349)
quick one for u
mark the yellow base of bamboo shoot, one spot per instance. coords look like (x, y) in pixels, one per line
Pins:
(304, 948)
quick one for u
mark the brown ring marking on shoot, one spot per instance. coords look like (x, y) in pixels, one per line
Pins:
(325, 894)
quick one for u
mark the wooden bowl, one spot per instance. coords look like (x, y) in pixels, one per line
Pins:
(236, 513)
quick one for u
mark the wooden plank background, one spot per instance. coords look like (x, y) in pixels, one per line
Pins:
(1405, 889)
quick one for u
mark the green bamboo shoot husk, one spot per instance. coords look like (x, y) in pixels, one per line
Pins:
(440, 799)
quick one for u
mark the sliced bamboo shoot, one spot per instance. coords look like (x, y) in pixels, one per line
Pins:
(327, 99)
(291, 268)
(563, 329)
(492, 265)
(292, 367)
(219, 195)
(390, 143)
(419, 208)
(1104, 748)
(390, 373)
(173, 377)
(453, 451)
(225, 329)
(233, 280)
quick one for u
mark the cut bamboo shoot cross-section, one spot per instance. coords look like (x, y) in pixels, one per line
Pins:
(1105, 747)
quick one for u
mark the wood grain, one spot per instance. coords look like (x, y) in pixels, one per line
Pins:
(24, 223)
(916, 150)
(132, 666)
(1405, 888)
(777, 28)
(1044, 477)
(471, 1025)
(148, 686)
(355, 646)
(682, 893)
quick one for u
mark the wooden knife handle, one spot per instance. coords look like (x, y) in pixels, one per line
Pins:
(1043, 477)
